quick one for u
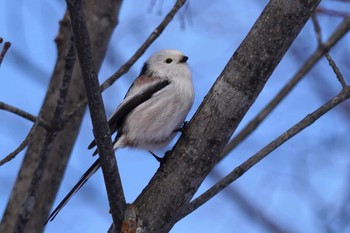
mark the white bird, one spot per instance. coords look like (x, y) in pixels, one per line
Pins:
(152, 111)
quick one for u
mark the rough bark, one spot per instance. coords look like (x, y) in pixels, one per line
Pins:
(235, 90)
(101, 20)
(102, 133)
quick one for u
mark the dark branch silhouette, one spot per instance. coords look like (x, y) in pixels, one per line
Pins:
(98, 115)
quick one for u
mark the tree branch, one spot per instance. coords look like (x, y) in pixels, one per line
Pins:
(151, 38)
(58, 121)
(250, 209)
(328, 56)
(101, 131)
(21, 147)
(241, 169)
(17, 111)
(102, 18)
(339, 33)
(336, 70)
(331, 12)
(7, 45)
(236, 89)
(28, 204)
(154, 35)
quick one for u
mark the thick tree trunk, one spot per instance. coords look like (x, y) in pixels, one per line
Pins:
(101, 20)
(176, 181)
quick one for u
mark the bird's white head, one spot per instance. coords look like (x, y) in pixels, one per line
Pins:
(167, 63)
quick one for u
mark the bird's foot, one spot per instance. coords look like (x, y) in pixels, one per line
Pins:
(183, 128)
(161, 160)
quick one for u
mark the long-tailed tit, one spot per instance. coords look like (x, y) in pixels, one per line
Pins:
(154, 107)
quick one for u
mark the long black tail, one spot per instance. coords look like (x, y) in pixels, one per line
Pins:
(94, 167)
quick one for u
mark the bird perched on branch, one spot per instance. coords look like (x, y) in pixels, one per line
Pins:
(152, 111)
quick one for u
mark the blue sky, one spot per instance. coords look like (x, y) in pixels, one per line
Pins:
(294, 186)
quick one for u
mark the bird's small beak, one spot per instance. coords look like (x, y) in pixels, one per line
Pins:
(183, 59)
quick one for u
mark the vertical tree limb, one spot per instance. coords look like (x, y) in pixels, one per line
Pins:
(98, 115)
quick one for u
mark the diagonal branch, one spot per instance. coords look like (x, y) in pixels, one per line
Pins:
(154, 35)
(151, 38)
(336, 70)
(101, 20)
(250, 209)
(340, 32)
(58, 121)
(235, 90)
(7, 45)
(17, 111)
(101, 131)
(331, 62)
(21, 147)
(330, 12)
(244, 167)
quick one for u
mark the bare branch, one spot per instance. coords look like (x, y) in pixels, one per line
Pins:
(331, 12)
(7, 45)
(336, 70)
(101, 20)
(317, 29)
(251, 210)
(328, 56)
(21, 147)
(57, 123)
(98, 115)
(29, 136)
(343, 28)
(28, 116)
(154, 35)
(240, 170)
(17, 111)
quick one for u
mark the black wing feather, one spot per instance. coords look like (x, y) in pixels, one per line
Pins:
(118, 118)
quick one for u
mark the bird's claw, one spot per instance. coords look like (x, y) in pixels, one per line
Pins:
(183, 128)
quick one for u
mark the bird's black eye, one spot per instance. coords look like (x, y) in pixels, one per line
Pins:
(169, 60)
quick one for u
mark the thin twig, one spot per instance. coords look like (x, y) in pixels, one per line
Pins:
(328, 56)
(98, 116)
(250, 209)
(7, 45)
(29, 136)
(26, 115)
(58, 122)
(317, 29)
(336, 70)
(17, 111)
(21, 147)
(331, 12)
(343, 28)
(141, 50)
(244, 167)
(154, 35)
